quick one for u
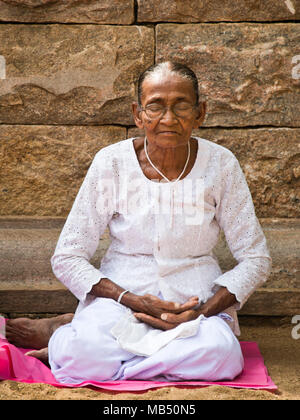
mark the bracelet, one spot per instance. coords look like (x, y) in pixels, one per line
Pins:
(121, 295)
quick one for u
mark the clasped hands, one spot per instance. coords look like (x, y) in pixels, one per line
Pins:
(148, 308)
(162, 314)
(165, 315)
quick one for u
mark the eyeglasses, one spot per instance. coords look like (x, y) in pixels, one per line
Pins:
(156, 111)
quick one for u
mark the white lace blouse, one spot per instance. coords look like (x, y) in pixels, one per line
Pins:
(163, 234)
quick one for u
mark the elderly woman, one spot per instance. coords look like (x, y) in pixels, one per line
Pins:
(159, 306)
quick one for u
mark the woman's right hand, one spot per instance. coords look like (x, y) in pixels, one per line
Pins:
(154, 306)
(146, 304)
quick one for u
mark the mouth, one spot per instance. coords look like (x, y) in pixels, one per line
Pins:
(168, 132)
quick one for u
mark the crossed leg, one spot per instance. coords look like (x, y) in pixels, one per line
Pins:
(35, 333)
(84, 349)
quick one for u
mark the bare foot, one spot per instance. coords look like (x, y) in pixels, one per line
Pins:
(42, 355)
(34, 333)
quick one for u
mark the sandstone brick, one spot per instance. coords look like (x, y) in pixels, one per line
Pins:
(42, 167)
(82, 11)
(269, 158)
(72, 74)
(247, 71)
(218, 10)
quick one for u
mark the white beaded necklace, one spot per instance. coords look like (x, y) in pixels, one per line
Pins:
(157, 170)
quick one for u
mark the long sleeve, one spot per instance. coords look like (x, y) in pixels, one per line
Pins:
(79, 238)
(236, 216)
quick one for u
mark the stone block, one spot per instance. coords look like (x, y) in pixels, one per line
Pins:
(42, 167)
(247, 71)
(119, 12)
(219, 10)
(270, 158)
(72, 74)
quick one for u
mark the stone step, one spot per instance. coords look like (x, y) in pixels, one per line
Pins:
(264, 302)
(28, 285)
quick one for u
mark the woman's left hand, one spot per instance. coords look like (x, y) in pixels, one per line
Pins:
(168, 321)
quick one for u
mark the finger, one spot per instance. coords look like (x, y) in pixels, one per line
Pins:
(191, 303)
(154, 322)
(41, 354)
(177, 308)
(178, 318)
(154, 305)
(35, 353)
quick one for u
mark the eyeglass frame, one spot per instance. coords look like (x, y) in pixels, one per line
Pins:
(165, 110)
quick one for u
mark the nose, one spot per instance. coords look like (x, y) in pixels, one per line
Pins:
(168, 116)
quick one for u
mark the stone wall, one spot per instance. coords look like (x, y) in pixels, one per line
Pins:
(68, 72)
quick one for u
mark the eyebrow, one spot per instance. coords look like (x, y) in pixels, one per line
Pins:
(159, 99)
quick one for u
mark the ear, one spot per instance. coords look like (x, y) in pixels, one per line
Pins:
(137, 115)
(201, 113)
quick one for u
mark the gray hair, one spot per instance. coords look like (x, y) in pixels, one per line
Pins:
(171, 67)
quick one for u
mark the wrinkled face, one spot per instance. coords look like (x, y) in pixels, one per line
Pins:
(174, 92)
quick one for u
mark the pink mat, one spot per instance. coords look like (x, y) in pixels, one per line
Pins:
(15, 366)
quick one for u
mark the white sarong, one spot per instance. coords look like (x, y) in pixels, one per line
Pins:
(94, 347)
